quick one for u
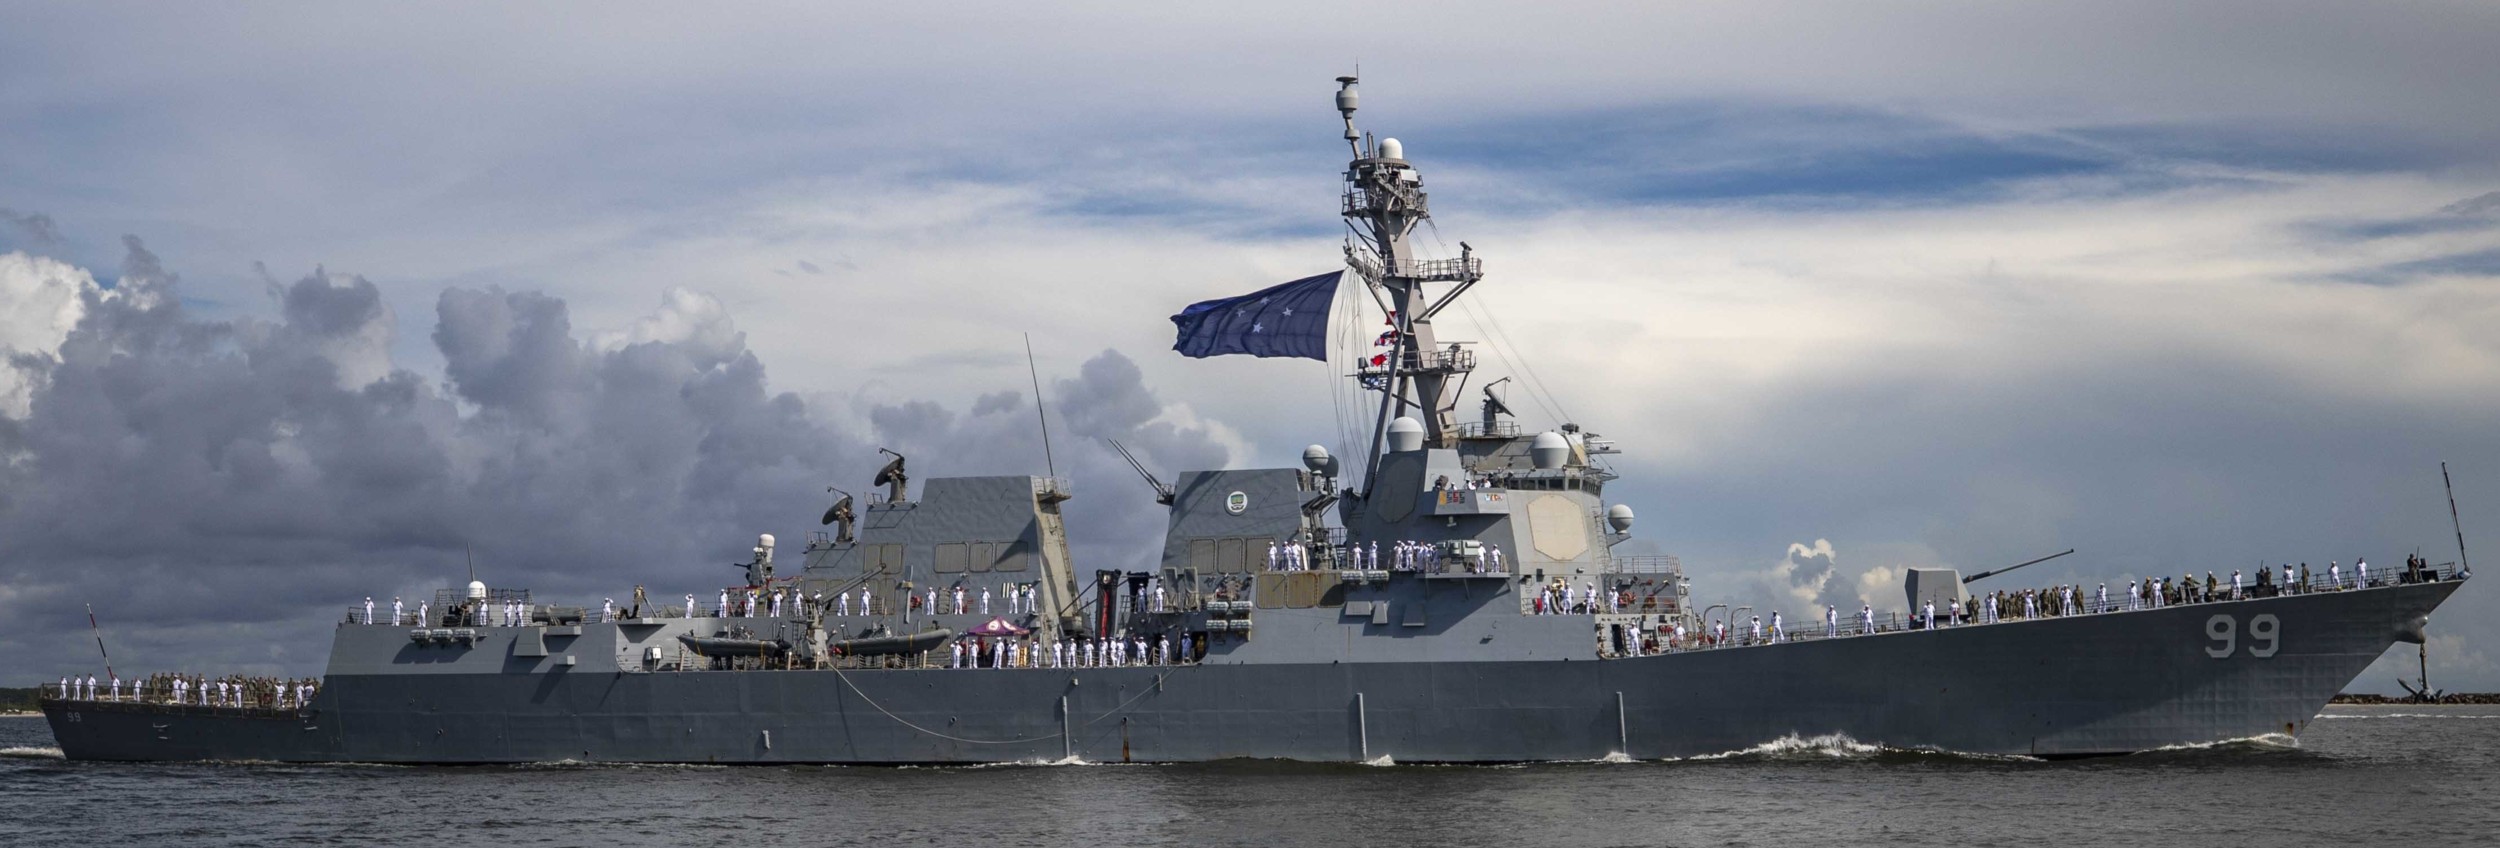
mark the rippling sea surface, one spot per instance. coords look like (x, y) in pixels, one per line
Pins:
(2360, 775)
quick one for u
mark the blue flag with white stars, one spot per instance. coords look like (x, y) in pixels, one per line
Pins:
(1285, 320)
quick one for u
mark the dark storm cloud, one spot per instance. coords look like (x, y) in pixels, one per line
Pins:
(220, 489)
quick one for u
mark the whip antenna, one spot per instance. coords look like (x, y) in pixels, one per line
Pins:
(1039, 411)
(2452, 517)
(99, 642)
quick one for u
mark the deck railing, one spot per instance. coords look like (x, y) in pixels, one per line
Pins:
(1740, 634)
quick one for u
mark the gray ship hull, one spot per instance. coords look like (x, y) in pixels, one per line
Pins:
(2095, 684)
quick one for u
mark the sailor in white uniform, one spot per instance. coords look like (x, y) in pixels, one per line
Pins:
(607, 609)
(985, 600)
(724, 603)
(2235, 585)
(1831, 621)
(1866, 619)
(2100, 596)
(842, 603)
(2361, 574)
(2334, 575)
(1756, 633)
(368, 609)
(955, 655)
(1777, 633)
(395, 612)
(2287, 577)
(1927, 615)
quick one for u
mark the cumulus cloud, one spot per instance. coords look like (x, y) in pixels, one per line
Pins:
(221, 487)
(41, 300)
(1812, 576)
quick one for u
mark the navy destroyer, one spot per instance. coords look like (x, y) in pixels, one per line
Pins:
(1453, 594)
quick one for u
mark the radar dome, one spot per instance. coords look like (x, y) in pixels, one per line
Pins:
(1406, 434)
(1619, 517)
(1316, 459)
(1549, 451)
(764, 541)
(1391, 149)
(477, 590)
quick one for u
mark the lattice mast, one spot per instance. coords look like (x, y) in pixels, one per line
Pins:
(1384, 201)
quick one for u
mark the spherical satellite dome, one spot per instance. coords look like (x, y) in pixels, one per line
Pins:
(1406, 434)
(1619, 517)
(1315, 458)
(1391, 149)
(1549, 451)
(477, 590)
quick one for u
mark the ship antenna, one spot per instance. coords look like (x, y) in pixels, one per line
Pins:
(471, 552)
(2451, 486)
(99, 642)
(1163, 494)
(1038, 411)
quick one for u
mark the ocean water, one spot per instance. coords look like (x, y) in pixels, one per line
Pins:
(2359, 776)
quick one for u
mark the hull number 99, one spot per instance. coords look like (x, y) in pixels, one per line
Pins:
(2265, 636)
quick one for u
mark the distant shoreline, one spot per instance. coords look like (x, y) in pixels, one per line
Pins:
(2451, 698)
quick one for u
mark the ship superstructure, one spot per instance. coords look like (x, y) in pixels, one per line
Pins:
(1452, 594)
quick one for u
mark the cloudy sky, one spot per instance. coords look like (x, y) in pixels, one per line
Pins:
(297, 303)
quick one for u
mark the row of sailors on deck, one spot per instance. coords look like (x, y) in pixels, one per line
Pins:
(1403, 556)
(1014, 599)
(1561, 598)
(193, 690)
(508, 613)
(1073, 653)
(1019, 599)
(1673, 636)
(2054, 601)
